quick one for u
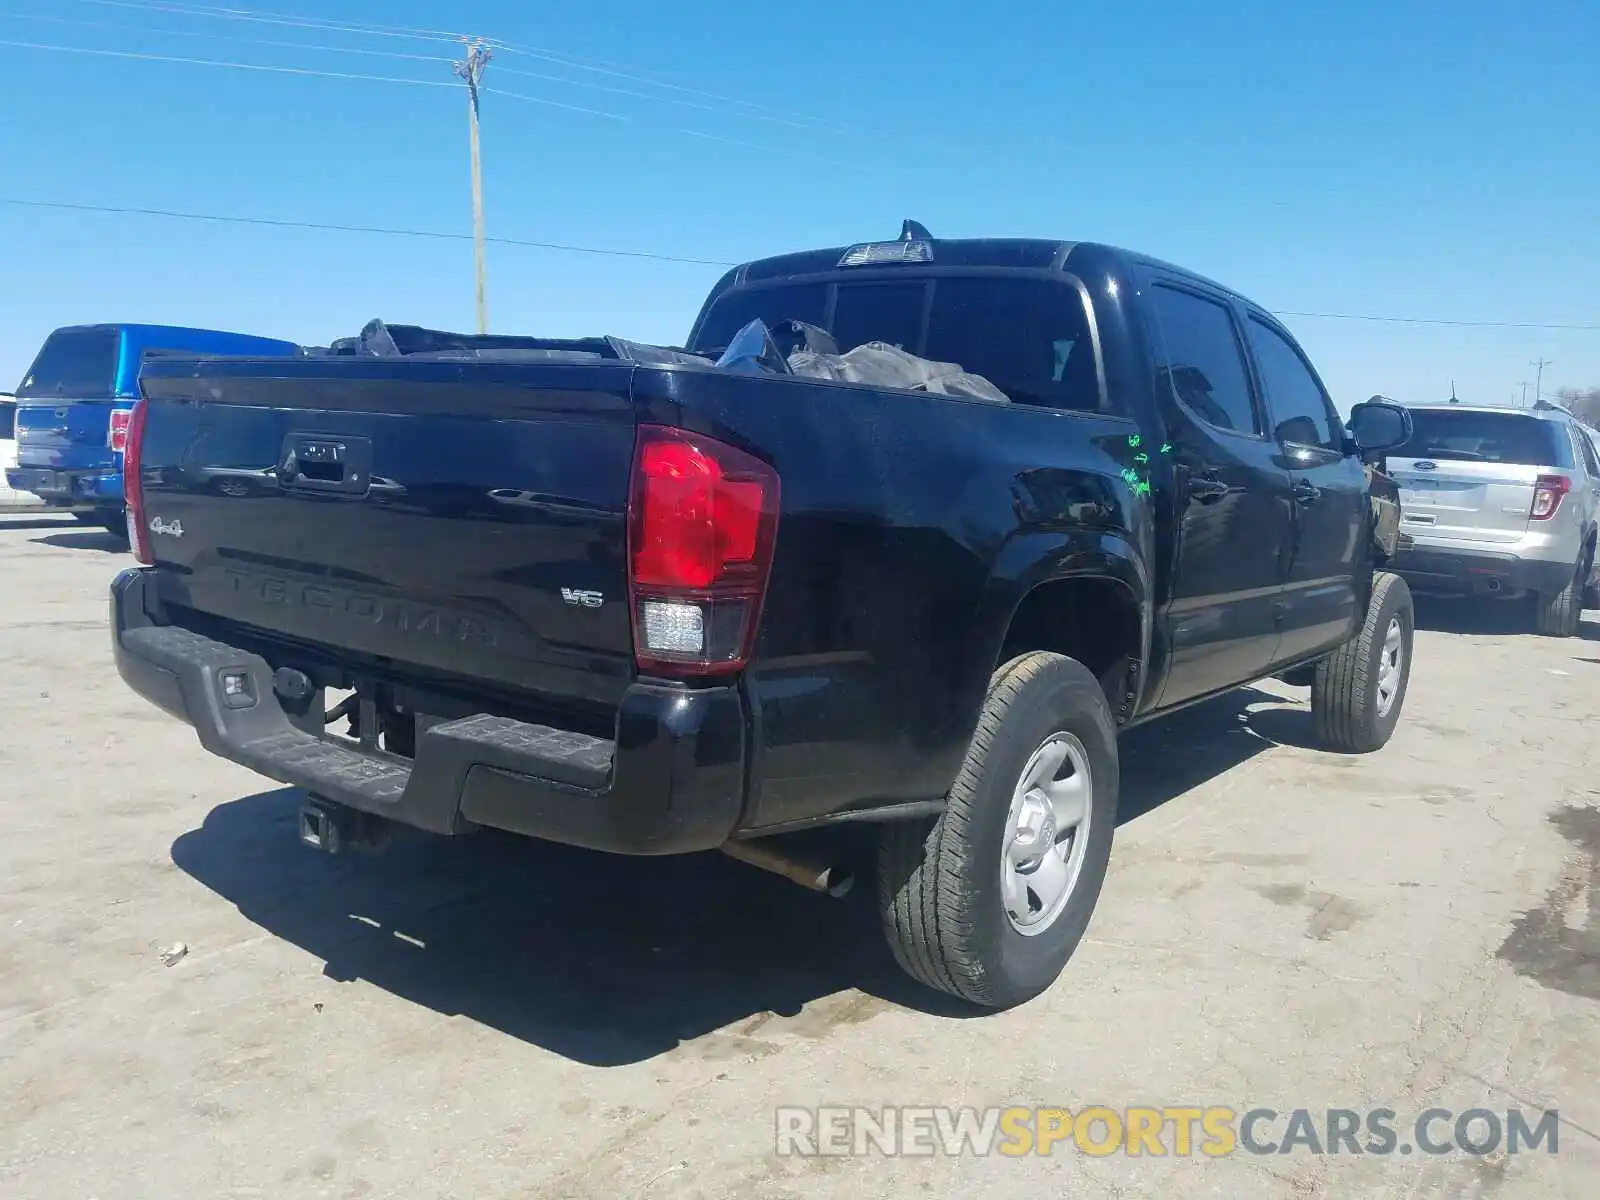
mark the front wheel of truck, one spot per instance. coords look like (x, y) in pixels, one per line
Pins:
(989, 900)
(1360, 688)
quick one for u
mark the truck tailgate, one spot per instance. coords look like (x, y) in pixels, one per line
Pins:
(65, 434)
(451, 524)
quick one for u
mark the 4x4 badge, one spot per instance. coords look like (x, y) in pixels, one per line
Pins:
(172, 529)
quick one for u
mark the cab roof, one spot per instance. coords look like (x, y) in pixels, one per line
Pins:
(1010, 253)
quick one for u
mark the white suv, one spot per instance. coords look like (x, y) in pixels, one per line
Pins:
(8, 456)
(1500, 502)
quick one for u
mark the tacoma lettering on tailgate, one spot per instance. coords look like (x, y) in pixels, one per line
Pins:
(344, 604)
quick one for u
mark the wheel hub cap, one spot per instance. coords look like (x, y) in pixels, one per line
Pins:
(1391, 660)
(1046, 833)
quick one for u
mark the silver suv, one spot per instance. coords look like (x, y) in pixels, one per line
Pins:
(1500, 502)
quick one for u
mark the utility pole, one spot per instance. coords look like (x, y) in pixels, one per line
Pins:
(1538, 380)
(1524, 386)
(471, 70)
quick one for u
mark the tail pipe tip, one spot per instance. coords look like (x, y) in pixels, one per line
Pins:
(814, 874)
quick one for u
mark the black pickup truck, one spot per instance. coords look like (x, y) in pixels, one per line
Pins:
(661, 601)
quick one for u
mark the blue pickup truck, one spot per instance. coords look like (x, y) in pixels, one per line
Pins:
(73, 406)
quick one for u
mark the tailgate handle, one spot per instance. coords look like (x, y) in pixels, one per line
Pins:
(326, 462)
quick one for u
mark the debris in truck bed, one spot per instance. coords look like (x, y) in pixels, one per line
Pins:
(753, 350)
(879, 364)
(883, 365)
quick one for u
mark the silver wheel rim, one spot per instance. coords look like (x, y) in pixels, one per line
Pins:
(1390, 664)
(1047, 832)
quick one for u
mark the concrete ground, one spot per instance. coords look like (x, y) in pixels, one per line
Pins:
(1282, 928)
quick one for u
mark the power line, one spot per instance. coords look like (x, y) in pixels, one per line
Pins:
(759, 112)
(235, 39)
(217, 62)
(266, 18)
(577, 108)
(638, 95)
(1324, 316)
(612, 252)
(358, 76)
(123, 27)
(332, 227)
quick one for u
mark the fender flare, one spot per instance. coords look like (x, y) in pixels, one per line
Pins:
(1031, 560)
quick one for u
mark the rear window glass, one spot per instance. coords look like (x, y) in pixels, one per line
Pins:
(775, 305)
(1029, 337)
(1465, 436)
(74, 364)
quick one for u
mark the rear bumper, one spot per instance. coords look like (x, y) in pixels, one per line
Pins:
(1459, 572)
(670, 781)
(73, 488)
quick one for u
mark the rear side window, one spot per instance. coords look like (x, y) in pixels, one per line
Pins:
(8, 420)
(74, 364)
(1029, 337)
(1591, 464)
(1454, 435)
(1199, 358)
(1301, 413)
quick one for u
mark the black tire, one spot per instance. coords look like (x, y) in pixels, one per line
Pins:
(939, 880)
(1345, 701)
(1556, 614)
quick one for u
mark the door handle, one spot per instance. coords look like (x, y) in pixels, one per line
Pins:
(1305, 493)
(1206, 489)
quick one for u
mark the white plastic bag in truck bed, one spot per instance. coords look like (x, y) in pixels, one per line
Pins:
(883, 365)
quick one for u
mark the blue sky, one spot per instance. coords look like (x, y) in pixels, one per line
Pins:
(1400, 159)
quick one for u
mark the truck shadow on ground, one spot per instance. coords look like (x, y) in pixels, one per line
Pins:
(610, 960)
(84, 539)
(33, 521)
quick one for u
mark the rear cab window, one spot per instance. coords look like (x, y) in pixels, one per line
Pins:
(74, 364)
(1457, 435)
(1029, 336)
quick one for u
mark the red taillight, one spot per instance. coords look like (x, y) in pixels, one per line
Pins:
(702, 522)
(133, 484)
(117, 437)
(1547, 493)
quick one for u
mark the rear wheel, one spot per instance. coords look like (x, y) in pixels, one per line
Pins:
(988, 901)
(1360, 688)
(1556, 614)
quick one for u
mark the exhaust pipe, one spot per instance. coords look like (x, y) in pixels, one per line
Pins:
(808, 872)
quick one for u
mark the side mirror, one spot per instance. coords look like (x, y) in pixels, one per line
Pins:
(1379, 425)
